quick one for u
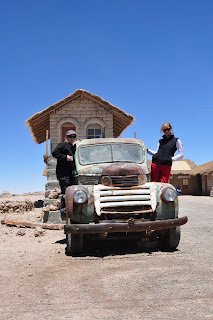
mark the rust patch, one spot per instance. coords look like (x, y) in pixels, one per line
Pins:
(122, 169)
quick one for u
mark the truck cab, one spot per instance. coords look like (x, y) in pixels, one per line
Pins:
(113, 196)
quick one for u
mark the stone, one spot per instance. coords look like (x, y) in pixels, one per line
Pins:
(53, 208)
(53, 195)
(58, 191)
(54, 217)
(57, 204)
(20, 232)
(38, 232)
(51, 174)
(51, 185)
(17, 206)
(46, 209)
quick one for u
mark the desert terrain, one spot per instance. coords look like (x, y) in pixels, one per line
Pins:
(109, 280)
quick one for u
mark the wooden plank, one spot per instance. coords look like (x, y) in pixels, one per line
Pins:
(32, 225)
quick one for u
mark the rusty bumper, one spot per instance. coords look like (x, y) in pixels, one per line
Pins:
(130, 226)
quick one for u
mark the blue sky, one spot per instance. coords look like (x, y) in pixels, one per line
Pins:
(153, 59)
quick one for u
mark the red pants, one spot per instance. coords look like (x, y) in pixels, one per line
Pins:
(160, 172)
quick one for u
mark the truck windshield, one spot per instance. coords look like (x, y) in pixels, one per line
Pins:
(111, 153)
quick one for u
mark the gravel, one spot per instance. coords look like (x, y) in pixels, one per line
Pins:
(110, 280)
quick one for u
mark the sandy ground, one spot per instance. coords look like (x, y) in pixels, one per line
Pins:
(111, 280)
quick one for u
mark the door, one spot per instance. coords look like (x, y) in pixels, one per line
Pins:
(64, 128)
(185, 186)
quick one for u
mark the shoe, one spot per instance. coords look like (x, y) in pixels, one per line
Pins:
(63, 210)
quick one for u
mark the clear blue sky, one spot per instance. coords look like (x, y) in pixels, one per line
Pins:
(153, 59)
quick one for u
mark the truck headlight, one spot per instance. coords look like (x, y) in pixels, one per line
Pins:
(169, 195)
(80, 197)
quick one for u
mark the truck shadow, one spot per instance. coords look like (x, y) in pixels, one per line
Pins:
(103, 248)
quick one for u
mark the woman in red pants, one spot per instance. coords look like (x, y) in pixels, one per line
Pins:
(163, 157)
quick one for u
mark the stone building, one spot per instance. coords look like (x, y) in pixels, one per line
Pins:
(181, 176)
(203, 175)
(89, 115)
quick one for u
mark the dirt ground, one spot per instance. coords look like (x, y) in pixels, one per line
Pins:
(113, 280)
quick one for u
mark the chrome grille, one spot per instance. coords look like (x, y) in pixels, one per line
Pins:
(123, 200)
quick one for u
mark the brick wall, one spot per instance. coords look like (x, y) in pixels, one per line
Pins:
(80, 112)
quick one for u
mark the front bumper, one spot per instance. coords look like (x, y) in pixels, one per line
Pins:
(129, 226)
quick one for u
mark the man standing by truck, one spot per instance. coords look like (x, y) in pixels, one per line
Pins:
(64, 153)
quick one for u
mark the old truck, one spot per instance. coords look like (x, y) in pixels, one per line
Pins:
(113, 196)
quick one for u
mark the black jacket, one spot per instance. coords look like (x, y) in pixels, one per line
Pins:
(64, 168)
(166, 150)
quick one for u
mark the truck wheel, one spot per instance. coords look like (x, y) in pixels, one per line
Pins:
(74, 243)
(169, 238)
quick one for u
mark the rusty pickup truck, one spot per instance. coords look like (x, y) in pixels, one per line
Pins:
(113, 196)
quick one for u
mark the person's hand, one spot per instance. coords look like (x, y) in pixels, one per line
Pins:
(69, 158)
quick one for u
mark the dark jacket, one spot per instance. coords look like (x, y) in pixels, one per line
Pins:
(166, 150)
(64, 168)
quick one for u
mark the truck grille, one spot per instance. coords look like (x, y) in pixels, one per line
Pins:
(88, 180)
(128, 181)
(123, 200)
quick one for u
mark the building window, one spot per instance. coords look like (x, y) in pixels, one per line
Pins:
(66, 127)
(185, 182)
(94, 130)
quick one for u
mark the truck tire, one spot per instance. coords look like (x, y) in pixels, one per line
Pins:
(74, 243)
(169, 238)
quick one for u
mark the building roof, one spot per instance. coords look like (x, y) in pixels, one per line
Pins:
(180, 167)
(203, 168)
(184, 166)
(39, 122)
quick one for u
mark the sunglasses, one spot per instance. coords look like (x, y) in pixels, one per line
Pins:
(168, 129)
(72, 136)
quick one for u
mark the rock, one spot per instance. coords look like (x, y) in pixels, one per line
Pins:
(46, 209)
(38, 232)
(29, 205)
(53, 208)
(16, 206)
(57, 204)
(20, 232)
(53, 195)
(58, 191)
